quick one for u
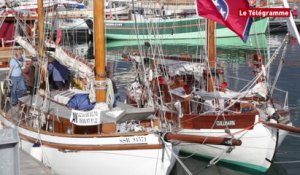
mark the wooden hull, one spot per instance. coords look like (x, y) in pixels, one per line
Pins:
(170, 29)
(83, 154)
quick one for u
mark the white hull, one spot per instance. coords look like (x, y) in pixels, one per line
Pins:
(257, 149)
(111, 162)
(282, 135)
(137, 162)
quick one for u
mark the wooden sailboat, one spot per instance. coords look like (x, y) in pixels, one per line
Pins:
(198, 103)
(104, 140)
(219, 112)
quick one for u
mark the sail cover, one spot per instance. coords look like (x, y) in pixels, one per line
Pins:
(82, 70)
(81, 102)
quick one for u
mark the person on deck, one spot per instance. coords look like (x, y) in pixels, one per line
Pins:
(60, 75)
(29, 74)
(18, 87)
(295, 11)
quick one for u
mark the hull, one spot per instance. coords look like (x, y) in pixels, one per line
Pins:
(230, 43)
(97, 155)
(257, 149)
(104, 162)
(188, 28)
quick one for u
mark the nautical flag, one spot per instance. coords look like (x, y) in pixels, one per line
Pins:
(226, 13)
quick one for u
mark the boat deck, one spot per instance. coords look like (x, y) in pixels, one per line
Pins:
(129, 112)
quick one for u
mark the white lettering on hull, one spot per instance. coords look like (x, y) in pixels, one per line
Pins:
(225, 123)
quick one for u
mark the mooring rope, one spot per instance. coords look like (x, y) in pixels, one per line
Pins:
(286, 162)
(177, 158)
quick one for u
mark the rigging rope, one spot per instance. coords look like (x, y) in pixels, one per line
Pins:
(279, 68)
(177, 158)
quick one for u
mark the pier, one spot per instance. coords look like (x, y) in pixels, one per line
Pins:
(279, 25)
(29, 165)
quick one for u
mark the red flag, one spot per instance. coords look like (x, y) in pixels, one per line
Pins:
(226, 13)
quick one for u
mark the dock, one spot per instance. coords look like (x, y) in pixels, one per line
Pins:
(14, 160)
(31, 166)
(279, 25)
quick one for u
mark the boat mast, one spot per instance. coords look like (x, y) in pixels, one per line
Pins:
(99, 46)
(211, 50)
(40, 28)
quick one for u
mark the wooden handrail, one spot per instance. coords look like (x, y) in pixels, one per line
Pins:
(282, 127)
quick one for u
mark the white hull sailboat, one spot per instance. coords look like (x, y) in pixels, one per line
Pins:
(133, 154)
(193, 98)
(254, 155)
(248, 117)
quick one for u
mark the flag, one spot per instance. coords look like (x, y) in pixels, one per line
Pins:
(226, 13)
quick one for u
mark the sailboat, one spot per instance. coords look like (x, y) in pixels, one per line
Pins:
(103, 140)
(194, 99)
(146, 21)
(170, 28)
(230, 42)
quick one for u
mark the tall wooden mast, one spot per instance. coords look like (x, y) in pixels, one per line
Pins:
(40, 28)
(99, 46)
(211, 50)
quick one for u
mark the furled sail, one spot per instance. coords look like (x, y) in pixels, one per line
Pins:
(26, 45)
(81, 69)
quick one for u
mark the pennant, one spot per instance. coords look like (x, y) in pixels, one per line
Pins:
(226, 13)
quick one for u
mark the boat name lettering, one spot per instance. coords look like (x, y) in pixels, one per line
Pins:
(85, 118)
(133, 140)
(225, 123)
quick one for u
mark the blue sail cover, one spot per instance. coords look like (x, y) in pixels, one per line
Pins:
(80, 102)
